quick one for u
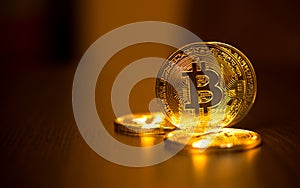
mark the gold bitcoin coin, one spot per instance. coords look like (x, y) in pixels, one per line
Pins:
(223, 139)
(143, 124)
(206, 85)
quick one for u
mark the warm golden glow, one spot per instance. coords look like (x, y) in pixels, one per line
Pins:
(141, 120)
(227, 145)
(201, 144)
(96, 17)
(149, 121)
(200, 162)
(147, 141)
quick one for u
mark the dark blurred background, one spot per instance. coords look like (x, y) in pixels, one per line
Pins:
(266, 31)
(47, 31)
(37, 32)
(42, 41)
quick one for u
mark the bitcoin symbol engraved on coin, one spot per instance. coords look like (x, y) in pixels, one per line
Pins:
(200, 79)
(206, 85)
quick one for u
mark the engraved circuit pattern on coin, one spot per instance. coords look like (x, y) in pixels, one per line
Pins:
(206, 84)
(246, 74)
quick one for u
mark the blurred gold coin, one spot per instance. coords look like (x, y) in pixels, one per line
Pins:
(206, 85)
(143, 124)
(223, 139)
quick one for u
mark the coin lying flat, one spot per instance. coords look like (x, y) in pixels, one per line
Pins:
(223, 139)
(206, 85)
(143, 124)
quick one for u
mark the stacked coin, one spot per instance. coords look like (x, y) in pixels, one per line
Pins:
(202, 88)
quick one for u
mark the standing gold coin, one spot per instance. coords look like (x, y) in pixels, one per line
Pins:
(224, 139)
(143, 124)
(206, 85)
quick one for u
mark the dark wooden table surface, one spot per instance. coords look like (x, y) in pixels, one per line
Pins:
(41, 145)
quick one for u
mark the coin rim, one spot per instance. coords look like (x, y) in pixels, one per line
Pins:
(251, 102)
